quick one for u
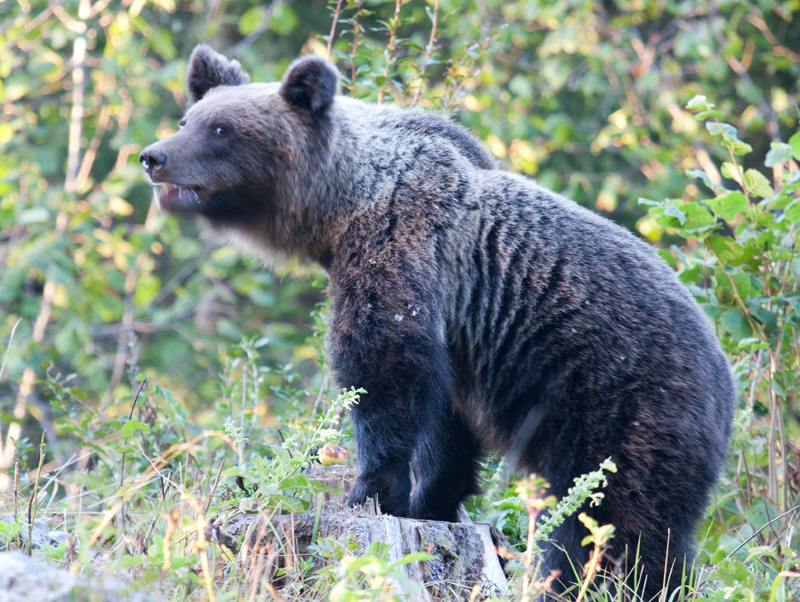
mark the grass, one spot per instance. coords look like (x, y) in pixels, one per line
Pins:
(136, 495)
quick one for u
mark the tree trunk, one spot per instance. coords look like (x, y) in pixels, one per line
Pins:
(465, 564)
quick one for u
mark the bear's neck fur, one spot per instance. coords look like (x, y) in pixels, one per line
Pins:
(341, 167)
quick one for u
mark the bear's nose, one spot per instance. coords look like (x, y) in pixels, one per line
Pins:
(152, 160)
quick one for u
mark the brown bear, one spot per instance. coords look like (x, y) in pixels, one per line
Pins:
(479, 310)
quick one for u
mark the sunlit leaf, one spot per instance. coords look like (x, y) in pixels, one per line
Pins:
(757, 183)
(729, 170)
(699, 103)
(672, 210)
(699, 173)
(131, 426)
(697, 216)
(779, 153)
(722, 129)
(283, 19)
(794, 143)
(726, 248)
(250, 20)
(710, 114)
(728, 205)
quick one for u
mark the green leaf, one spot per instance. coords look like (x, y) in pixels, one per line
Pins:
(672, 210)
(741, 280)
(780, 202)
(726, 249)
(728, 205)
(794, 142)
(722, 129)
(692, 274)
(733, 322)
(699, 173)
(131, 561)
(778, 154)
(730, 137)
(796, 266)
(131, 426)
(283, 19)
(161, 41)
(793, 212)
(733, 285)
(737, 146)
(696, 215)
(233, 472)
(292, 504)
(680, 255)
(791, 181)
(250, 20)
(757, 183)
(295, 482)
(267, 489)
(178, 562)
(734, 572)
(699, 103)
(731, 171)
(708, 114)
(778, 387)
(667, 256)
(147, 287)
(413, 557)
(247, 505)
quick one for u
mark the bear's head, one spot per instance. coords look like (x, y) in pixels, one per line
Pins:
(245, 151)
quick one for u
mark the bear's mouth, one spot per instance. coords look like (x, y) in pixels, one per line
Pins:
(178, 199)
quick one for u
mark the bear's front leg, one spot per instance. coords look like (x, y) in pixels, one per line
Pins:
(406, 390)
(404, 366)
(445, 464)
(383, 456)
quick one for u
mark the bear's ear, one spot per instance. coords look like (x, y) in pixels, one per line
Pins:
(310, 83)
(209, 69)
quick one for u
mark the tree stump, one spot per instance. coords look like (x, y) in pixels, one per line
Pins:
(465, 564)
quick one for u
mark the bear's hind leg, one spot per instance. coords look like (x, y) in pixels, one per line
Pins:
(564, 555)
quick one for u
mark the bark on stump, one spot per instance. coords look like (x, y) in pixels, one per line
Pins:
(464, 553)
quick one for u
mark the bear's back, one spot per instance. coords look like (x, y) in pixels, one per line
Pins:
(549, 303)
(541, 298)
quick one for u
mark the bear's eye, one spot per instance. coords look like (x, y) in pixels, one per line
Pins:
(182, 122)
(219, 130)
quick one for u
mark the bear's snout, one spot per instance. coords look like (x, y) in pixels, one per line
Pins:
(153, 162)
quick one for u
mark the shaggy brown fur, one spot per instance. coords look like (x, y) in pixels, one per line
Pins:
(478, 309)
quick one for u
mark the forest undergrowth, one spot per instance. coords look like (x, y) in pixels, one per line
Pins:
(125, 481)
